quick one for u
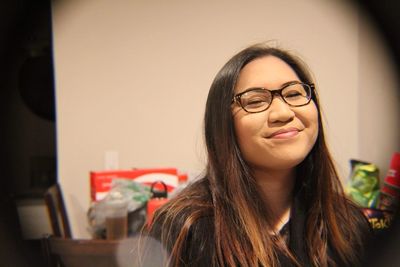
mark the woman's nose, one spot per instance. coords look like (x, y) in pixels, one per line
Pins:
(279, 111)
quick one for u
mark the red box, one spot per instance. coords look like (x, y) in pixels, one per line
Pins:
(100, 181)
(393, 181)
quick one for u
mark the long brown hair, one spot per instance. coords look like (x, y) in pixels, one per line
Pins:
(232, 197)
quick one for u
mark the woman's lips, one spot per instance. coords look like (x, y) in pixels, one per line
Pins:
(285, 133)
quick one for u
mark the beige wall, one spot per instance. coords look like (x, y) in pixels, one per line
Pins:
(133, 76)
(378, 105)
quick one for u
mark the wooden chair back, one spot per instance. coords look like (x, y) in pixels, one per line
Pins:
(57, 211)
(69, 252)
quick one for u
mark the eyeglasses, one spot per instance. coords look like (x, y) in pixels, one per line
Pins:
(254, 100)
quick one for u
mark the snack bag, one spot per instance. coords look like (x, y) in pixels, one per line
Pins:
(363, 186)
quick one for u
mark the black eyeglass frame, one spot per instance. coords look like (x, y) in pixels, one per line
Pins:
(237, 98)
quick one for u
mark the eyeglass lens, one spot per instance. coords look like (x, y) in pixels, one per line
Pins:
(259, 99)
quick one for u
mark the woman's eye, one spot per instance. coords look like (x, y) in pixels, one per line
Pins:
(255, 102)
(293, 94)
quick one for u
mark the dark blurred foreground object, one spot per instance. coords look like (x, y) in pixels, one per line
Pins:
(36, 85)
(26, 66)
(384, 15)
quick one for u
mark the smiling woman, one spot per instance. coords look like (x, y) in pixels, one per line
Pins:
(271, 195)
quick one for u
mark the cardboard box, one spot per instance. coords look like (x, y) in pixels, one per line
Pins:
(100, 181)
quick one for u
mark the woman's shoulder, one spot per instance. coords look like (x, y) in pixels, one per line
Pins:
(195, 197)
(189, 210)
(185, 223)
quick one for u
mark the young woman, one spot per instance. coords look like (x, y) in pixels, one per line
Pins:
(271, 195)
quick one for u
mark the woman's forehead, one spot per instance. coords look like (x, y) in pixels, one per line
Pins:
(268, 71)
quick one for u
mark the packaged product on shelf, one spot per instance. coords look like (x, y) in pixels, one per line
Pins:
(363, 186)
(390, 192)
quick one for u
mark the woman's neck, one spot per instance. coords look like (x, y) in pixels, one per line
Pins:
(277, 188)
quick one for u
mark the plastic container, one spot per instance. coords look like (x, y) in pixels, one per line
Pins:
(116, 217)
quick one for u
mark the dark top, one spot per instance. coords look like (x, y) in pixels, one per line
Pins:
(201, 246)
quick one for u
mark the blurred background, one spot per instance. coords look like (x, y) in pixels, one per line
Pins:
(98, 84)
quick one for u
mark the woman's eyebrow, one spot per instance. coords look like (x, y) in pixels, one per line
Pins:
(289, 82)
(282, 85)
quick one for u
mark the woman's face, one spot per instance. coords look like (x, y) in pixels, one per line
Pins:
(260, 143)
